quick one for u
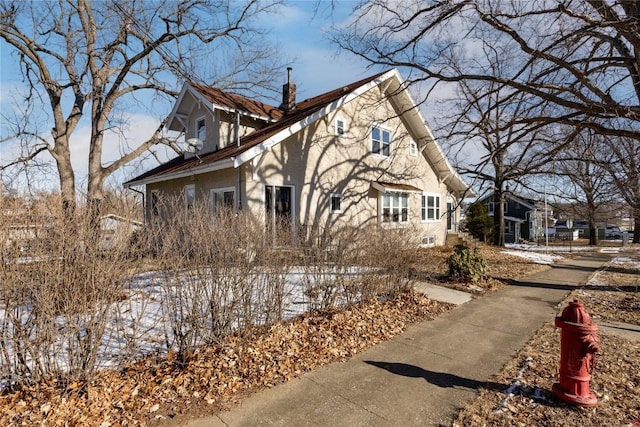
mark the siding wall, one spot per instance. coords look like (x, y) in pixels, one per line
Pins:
(318, 163)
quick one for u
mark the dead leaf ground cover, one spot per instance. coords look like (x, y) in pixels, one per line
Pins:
(612, 295)
(217, 377)
(156, 391)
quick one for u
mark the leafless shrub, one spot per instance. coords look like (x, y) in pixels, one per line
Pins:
(220, 274)
(358, 263)
(55, 297)
(70, 305)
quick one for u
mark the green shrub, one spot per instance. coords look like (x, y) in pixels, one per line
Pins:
(467, 264)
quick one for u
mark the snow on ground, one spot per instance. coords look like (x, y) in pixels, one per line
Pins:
(542, 248)
(533, 256)
(626, 262)
(140, 323)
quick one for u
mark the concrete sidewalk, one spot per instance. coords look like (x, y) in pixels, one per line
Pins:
(424, 376)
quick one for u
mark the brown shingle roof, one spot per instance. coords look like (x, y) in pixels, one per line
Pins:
(237, 102)
(391, 186)
(303, 109)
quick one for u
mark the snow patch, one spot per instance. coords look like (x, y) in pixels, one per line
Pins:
(535, 257)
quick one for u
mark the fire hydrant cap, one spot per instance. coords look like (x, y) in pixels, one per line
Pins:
(576, 313)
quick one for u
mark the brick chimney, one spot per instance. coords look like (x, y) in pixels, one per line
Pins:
(288, 93)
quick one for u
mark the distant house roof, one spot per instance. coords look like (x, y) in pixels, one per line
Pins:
(285, 124)
(528, 203)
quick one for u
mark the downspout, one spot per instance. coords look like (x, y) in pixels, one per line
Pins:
(240, 166)
(144, 206)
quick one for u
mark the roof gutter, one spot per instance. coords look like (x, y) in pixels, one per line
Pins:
(222, 164)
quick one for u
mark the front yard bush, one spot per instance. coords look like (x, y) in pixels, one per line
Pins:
(467, 264)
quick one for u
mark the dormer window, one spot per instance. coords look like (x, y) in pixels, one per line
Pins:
(201, 129)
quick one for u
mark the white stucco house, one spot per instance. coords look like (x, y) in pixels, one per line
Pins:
(360, 154)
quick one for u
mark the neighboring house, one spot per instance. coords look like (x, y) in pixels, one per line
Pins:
(117, 231)
(523, 218)
(360, 154)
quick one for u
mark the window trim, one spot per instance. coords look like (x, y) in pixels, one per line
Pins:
(333, 196)
(401, 196)
(202, 119)
(509, 227)
(221, 190)
(382, 130)
(424, 207)
(491, 207)
(413, 148)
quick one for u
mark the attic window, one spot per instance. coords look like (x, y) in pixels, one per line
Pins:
(336, 203)
(201, 129)
(340, 127)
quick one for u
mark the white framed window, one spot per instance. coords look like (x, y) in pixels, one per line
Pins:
(428, 241)
(395, 208)
(380, 141)
(508, 227)
(335, 201)
(201, 129)
(189, 193)
(341, 126)
(224, 198)
(155, 202)
(430, 207)
(491, 207)
(413, 148)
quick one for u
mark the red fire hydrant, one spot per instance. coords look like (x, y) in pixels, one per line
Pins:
(578, 347)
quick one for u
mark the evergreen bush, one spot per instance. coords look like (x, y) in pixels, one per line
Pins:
(466, 263)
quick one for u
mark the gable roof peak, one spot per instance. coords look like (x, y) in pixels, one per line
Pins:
(230, 101)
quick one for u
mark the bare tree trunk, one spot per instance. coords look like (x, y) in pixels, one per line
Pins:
(110, 55)
(66, 175)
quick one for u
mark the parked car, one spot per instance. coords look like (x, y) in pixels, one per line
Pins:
(612, 232)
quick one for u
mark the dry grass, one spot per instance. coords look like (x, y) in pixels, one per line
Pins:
(432, 267)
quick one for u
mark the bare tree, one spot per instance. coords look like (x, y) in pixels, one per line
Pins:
(508, 150)
(578, 58)
(577, 174)
(624, 169)
(82, 58)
